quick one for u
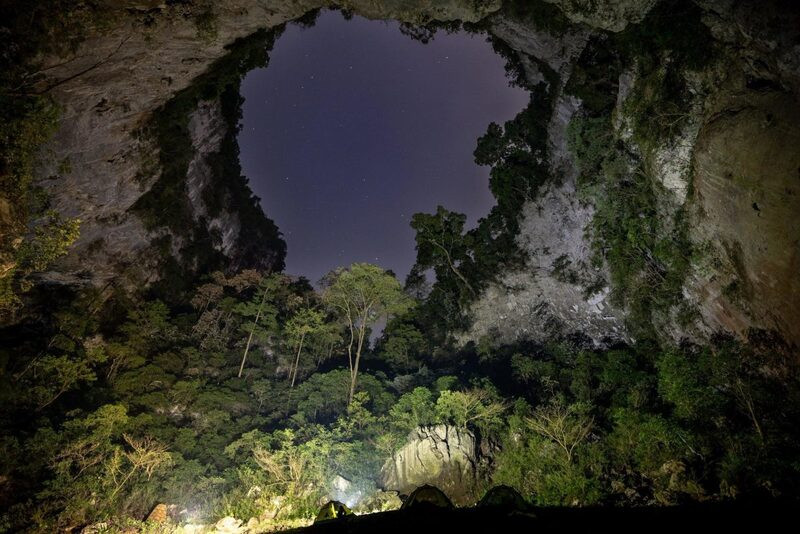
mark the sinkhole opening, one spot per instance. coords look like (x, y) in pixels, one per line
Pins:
(353, 127)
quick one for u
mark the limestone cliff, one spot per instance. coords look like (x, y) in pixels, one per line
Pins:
(116, 84)
(728, 171)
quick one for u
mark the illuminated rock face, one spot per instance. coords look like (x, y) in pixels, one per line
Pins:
(442, 456)
(729, 172)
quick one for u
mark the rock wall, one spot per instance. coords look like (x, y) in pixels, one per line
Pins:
(548, 298)
(747, 195)
(734, 168)
(442, 456)
(612, 15)
(108, 91)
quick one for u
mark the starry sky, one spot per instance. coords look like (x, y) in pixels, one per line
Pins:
(354, 127)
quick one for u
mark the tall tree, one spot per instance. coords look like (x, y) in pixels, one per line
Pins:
(263, 309)
(305, 323)
(362, 294)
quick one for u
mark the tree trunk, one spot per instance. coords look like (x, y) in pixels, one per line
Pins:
(453, 267)
(354, 375)
(297, 359)
(252, 331)
(350, 348)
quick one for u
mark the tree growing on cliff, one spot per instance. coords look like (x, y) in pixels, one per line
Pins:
(51, 239)
(441, 245)
(361, 295)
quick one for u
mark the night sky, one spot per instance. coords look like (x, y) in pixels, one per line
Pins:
(354, 127)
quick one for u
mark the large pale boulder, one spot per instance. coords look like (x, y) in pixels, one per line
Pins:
(229, 525)
(442, 455)
(159, 514)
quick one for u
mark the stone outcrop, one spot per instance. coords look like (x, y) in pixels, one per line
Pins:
(443, 456)
(548, 298)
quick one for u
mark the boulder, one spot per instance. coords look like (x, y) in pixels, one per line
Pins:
(159, 514)
(341, 484)
(443, 456)
(229, 525)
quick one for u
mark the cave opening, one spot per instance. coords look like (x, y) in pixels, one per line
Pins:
(353, 127)
(604, 322)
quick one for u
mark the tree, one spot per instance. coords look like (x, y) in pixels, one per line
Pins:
(145, 456)
(562, 425)
(263, 310)
(325, 340)
(517, 155)
(362, 294)
(402, 342)
(441, 244)
(69, 359)
(472, 407)
(51, 239)
(413, 409)
(59, 374)
(306, 322)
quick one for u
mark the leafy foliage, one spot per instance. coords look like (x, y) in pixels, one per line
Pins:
(648, 256)
(50, 240)
(146, 406)
(464, 262)
(361, 295)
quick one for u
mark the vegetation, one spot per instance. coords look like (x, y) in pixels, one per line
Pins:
(249, 393)
(135, 402)
(31, 236)
(363, 294)
(51, 238)
(648, 252)
(464, 262)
